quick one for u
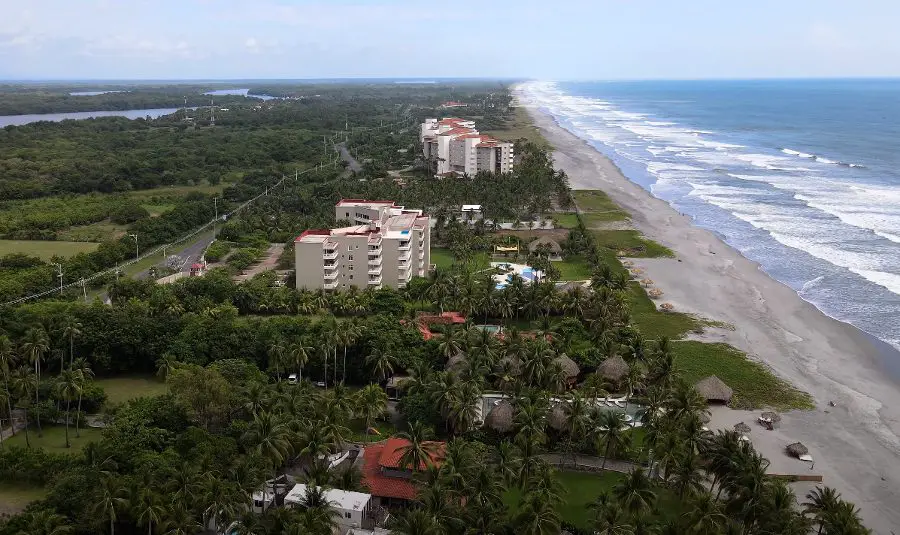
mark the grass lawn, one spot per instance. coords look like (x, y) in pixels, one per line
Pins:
(444, 258)
(179, 191)
(655, 324)
(54, 438)
(566, 220)
(358, 430)
(122, 389)
(598, 202)
(157, 210)
(45, 249)
(96, 232)
(573, 268)
(631, 243)
(519, 127)
(581, 488)
(15, 496)
(753, 384)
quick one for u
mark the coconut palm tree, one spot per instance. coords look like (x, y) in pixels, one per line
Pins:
(7, 363)
(70, 332)
(178, 520)
(110, 500)
(382, 363)
(371, 402)
(268, 436)
(45, 522)
(298, 355)
(612, 520)
(822, 503)
(611, 439)
(635, 493)
(537, 517)
(68, 387)
(147, 509)
(687, 476)
(348, 336)
(278, 354)
(84, 374)
(35, 346)
(165, 365)
(24, 383)
(416, 522)
(419, 452)
(577, 419)
(463, 407)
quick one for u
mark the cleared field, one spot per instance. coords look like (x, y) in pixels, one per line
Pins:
(566, 220)
(122, 389)
(156, 210)
(573, 268)
(519, 127)
(45, 249)
(14, 496)
(631, 243)
(95, 232)
(54, 438)
(597, 201)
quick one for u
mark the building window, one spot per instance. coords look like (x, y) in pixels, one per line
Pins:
(350, 257)
(347, 515)
(351, 277)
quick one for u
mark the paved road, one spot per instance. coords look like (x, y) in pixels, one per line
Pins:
(190, 254)
(352, 163)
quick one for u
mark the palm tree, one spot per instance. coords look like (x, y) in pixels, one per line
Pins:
(463, 406)
(577, 419)
(148, 510)
(7, 361)
(45, 522)
(68, 387)
(635, 493)
(537, 517)
(165, 365)
(612, 520)
(111, 500)
(416, 522)
(278, 353)
(269, 436)
(822, 503)
(298, 354)
(611, 438)
(348, 336)
(84, 371)
(419, 452)
(371, 402)
(24, 383)
(178, 520)
(34, 347)
(704, 515)
(382, 364)
(687, 476)
(71, 331)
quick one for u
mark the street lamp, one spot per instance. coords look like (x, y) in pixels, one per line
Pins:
(137, 250)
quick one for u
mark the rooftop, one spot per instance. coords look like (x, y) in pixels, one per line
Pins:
(340, 499)
(387, 455)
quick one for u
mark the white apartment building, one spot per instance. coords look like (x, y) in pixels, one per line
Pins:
(386, 245)
(352, 509)
(456, 147)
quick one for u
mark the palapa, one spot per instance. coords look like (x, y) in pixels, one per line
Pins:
(714, 389)
(742, 428)
(551, 245)
(613, 368)
(500, 418)
(797, 449)
(456, 363)
(558, 419)
(568, 365)
(773, 416)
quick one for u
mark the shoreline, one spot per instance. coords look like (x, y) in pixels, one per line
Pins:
(855, 443)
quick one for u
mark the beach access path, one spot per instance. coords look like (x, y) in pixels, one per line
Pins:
(857, 445)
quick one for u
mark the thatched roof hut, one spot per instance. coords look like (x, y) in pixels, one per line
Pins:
(568, 366)
(773, 416)
(742, 428)
(548, 244)
(558, 419)
(614, 368)
(500, 418)
(797, 449)
(714, 389)
(456, 363)
(510, 363)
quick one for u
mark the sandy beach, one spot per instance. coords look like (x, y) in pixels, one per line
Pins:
(855, 444)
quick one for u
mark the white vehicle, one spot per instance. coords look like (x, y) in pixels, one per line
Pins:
(292, 379)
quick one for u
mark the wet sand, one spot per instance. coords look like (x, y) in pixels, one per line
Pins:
(855, 444)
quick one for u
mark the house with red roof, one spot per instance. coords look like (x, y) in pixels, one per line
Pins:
(391, 484)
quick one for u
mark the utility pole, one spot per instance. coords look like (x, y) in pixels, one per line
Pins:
(60, 275)
(297, 174)
(216, 219)
(84, 289)
(212, 113)
(137, 251)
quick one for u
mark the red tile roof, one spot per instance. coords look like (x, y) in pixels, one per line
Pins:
(450, 120)
(456, 131)
(313, 232)
(342, 201)
(387, 455)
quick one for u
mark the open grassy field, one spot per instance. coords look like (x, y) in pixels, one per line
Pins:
(655, 324)
(631, 243)
(573, 268)
(95, 232)
(178, 191)
(596, 201)
(566, 220)
(753, 384)
(15, 496)
(519, 127)
(157, 210)
(121, 389)
(444, 258)
(54, 438)
(45, 249)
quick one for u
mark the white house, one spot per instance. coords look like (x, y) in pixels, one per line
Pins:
(353, 508)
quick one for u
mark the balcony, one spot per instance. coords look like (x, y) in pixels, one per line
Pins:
(332, 275)
(375, 271)
(377, 261)
(330, 285)
(374, 251)
(405, 257)
(404, 246)
(374, 281)
(329, 255)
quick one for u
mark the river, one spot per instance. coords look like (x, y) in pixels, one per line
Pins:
(18, 120)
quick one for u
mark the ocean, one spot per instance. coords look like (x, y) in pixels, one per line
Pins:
(801, 176)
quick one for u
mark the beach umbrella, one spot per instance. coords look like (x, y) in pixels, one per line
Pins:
(773, 416)
(613, 368)
(500, 418)
(742, 428)
(797, 449)
(714, 389)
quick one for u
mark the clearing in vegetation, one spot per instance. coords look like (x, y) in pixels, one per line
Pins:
(54, 438)
(520, 126)
(15, 496)
(46, 249)
(597, 202)
(122, 389)
(754, 385)
(631, 243)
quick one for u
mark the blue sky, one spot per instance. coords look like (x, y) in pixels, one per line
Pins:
(559, 39)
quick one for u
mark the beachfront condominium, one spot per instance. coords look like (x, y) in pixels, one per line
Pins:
(454, 147)
(385, 245)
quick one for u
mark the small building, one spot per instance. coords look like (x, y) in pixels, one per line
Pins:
(393, 485)
(454, 104)
(714, 390)
(354, 509)
(198, 269)
(394, 387)
(545, 246)
(471, 212)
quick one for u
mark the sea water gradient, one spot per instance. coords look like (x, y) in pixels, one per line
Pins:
(800, 176)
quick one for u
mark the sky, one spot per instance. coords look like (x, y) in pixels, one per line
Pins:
(546, 39)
